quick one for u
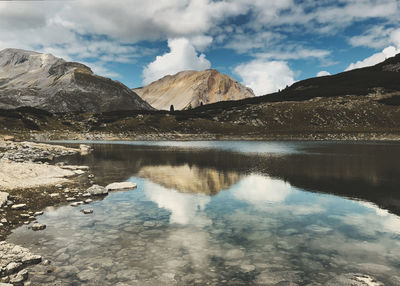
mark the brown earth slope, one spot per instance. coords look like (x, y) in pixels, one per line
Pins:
(189, 89)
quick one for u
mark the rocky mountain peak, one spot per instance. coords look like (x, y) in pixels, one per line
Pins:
(44, 81)
(189, 89)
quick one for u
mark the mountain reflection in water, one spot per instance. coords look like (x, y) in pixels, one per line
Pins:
(366, 171)
(190, 179)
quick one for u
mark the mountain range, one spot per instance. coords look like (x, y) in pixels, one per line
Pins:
(359, 104)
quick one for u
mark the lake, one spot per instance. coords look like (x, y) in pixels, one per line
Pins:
(229, 213)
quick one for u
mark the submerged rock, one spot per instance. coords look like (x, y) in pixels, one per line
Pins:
(121, 186)
(20, 277)
(38, 226)
(87, 211)
(97, 190)
(353, 279)
(13, 260)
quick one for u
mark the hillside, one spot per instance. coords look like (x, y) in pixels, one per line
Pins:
(190, 89)
(43, 81)
(382, 79)
(357, 105)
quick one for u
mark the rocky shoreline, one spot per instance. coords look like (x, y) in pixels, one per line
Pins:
(176, 136)
(30, 181)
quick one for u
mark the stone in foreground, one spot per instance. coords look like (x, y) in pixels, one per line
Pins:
(97, 190)
(18, 207)
(121, 186)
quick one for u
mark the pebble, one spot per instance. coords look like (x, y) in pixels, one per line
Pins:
(70, 199)
(38, 213)
(87, 211)
(54, 195)
(88, 201)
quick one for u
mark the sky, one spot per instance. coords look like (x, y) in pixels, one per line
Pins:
(264, 44)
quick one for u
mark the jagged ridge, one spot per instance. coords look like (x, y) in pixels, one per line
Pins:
(44, 81)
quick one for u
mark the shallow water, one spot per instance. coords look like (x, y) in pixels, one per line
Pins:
(234, 213)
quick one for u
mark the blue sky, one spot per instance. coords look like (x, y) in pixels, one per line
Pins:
(264, 44)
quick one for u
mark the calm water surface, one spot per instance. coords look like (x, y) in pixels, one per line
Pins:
(228, 213)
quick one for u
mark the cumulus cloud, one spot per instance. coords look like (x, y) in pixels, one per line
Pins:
(264, 76)
(375, 58)
(75, 29)
(185, 208)
(391, 37)
(257, 189)
(323, 73)
(182, 56)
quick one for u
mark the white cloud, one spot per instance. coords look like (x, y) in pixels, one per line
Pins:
(376, 37)
(395, 37)
(375, 58)
(182, 56)
(77, 30)
(265, 76)
(323, 73)
(260, 190)
(185, 208)
(200, 42)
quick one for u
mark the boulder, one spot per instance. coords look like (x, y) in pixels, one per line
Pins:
(19, 277)
(121, 186)
(30, 259)
(12, 268)
(97, 190)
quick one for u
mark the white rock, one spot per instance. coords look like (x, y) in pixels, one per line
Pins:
(31, 259)
(38, 226)
(97, 190)
(38, 213)
(79, 172)
(18, 207)
(121, 186)
(19, 277)
(3, 198)
(87, 211)
(12, 268)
